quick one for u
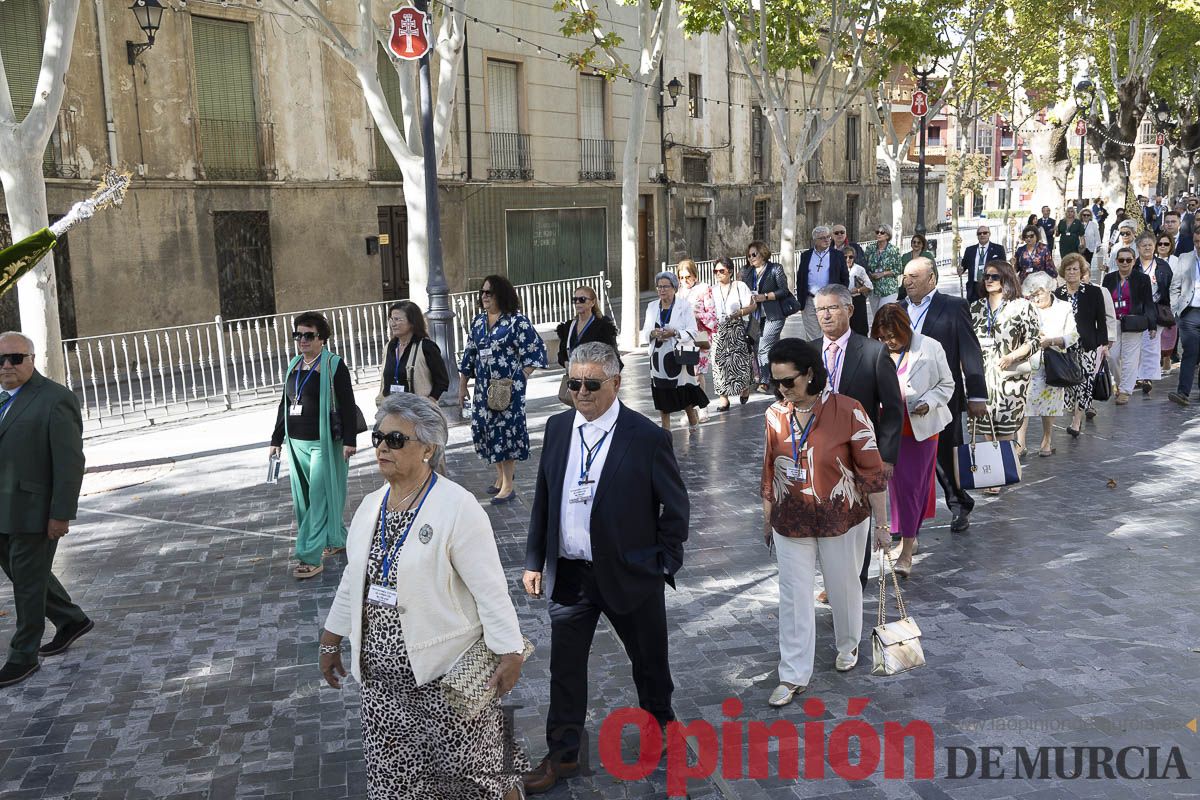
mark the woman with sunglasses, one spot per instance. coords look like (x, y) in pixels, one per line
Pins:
(670, 331)
(1136, 315)
(503, 349)
(1158, 270)
(884, 267)
(1007, 327)
(860, 288)
(315, 387)
(1032, 255)
(822, 480)
(423, 584)
(699, 297)
(414, 362)
(588, 325)
(774, 300)
(732, 364)
(1124, 235)
(1091, 321)
(1091, 235)
(1168, 335)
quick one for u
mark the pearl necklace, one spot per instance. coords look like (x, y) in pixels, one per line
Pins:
(308, 364)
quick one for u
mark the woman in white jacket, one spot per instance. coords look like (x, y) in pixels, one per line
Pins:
(1058, 332)
(670, 330)
(423, 583)
(927, 386)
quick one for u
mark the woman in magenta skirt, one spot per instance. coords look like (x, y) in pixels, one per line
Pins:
(927, 385)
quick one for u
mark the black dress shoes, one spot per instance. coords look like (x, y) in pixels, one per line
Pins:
(547, 774)
(961, 521)
(11, 674)
(65, 637)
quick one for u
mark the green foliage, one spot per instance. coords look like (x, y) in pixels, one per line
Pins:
(587, 24)
(966, 172)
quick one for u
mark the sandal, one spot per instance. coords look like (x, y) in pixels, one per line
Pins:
(303, 571)
(903, 567)
(992, 490)
(1074, 432)
(332, 551)
(1047, 453)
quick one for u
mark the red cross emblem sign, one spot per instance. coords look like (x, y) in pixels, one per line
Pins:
(410, 37)
(920, 103)
(1080, 128)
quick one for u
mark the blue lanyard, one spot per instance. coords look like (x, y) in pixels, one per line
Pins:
(900, 360)
(585, 462)
(578, 334)
(836, 364)
(389, 553)
(307, 374)
(664, 316)
(798, 446)
(7, 403)
(396, 378)
(916, 322)
(992, 315)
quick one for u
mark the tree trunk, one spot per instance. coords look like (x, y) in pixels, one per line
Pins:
(630, 168)
(787, 217)
(1112, 183)
(1052, 165)
(896, 186)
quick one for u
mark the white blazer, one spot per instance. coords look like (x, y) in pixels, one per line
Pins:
(927, 380)
(451, 586)
(681, 319)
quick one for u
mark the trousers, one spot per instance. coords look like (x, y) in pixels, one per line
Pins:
(26, 559)
(771, 330)
(1125, 359)
(1189, 345)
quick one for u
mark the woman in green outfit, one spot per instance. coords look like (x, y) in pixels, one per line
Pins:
(317, 384)
(884, 267)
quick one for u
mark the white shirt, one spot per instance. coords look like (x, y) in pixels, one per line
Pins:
(917, 311)
(575, 519)
(12, 396)
(833, 362)
(1195, 265)
(818, 270)
(730, 299)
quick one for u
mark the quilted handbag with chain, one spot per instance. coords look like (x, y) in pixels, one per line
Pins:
(895, 646)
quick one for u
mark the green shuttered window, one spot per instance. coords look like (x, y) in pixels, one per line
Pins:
(230, 138)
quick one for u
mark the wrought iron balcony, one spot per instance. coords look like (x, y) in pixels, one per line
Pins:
(510, 158)
(383, 163)
(234, 150)
(596, 160)
(57, 161)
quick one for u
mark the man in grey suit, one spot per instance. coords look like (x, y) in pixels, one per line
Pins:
(41, 470)
(1185, 302)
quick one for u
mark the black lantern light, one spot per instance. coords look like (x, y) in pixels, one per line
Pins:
(148, 14)
(673, 89)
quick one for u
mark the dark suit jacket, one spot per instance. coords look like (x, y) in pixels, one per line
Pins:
(1163, 275)
(1050, 226)
(639, 514)
(41, 457)
(995, 252)
(1187, 224)
(774, 279)
(602, 329)
(1090, 317)
(1140, 294)
(948, 321)
(1185, 244)
(869, 376)
(838, 272)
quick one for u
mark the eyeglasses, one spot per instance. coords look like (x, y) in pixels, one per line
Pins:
(304, 336)
(16, 359)
(983, 233)
(786, 383)
(592, 384)
(395, 440)
(1124, 260)
(988, 277)
(580, 300)
(826, 309)
(1126, 233)
(486, 293)
(662, 287)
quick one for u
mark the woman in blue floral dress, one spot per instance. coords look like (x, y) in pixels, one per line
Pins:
(503, 345)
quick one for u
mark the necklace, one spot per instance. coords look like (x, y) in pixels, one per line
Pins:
(811, 405)
(308, 364)
(395, 506)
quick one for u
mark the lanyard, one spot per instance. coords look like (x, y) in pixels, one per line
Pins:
(798, 446)
(900, 365)
(585, 461)
(7, 403)
(993, 315)
(664, 316)
(820, 259)
(307, 374)
(577, 334)
(389, 553)
(916, 323)
(396, 379)
(836, 365)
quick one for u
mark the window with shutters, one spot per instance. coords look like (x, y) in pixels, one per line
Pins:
(851, 221)
(759, 137)
(245, 276)
(695, 96)
(853, 148)
(695, 169)
(233, 144)
(762, 220)
(510, 148)
(595, 149)
(384, 166)
(812, 169)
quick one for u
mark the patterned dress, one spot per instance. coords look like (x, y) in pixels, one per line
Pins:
(416, 746)
(1080, 395)
(1046, 400)
(700, 296)
(733, 371)
(889, 261)
(1013, 324)
(503, 350)
(1038, 259)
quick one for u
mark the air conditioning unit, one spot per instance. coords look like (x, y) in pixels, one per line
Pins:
(654, 172)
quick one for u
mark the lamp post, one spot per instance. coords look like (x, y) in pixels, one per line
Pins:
(148, 14)
(1162, 115)
(922, 71)
(1085, 92)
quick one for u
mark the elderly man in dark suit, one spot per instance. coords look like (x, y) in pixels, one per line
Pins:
(976, 257)
(860, 368)
(948, 321)
(41, 471)
(606, 534)
(820, 265)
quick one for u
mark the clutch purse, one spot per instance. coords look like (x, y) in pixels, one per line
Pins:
(982, 465)
(465, 685)
(499, 394)
(895, 646)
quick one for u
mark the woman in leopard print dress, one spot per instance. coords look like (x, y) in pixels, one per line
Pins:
(418, 590)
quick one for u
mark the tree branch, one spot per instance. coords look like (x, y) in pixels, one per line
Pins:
(6, 106)
(56, 57)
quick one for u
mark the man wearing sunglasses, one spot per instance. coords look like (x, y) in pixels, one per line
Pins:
(976, 256)
(610, 516)
(41, 470)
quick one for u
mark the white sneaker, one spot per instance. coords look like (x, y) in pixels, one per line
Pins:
(783, 694)
(846, 663)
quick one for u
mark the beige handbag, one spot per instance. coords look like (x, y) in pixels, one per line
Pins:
(564, 394)
(465, 685)
(499, 394)
(895, 646)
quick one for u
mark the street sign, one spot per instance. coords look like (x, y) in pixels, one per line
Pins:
(920, 103)
(410, 34)
(1080, 128)
(1160, 139)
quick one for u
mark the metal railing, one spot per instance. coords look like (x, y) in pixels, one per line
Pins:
(596, 160)
(383, 163)
(235, 150)
(164, 372)
(510, 157)
(57, 162)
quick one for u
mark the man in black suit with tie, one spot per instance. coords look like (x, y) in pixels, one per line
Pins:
(820, 265)
(976, 257)
(948, 321)
(860, 368)
(610, 516)
(1049, 226)
(1171, 227)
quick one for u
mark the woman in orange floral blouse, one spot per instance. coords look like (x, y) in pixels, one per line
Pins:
(822, 479)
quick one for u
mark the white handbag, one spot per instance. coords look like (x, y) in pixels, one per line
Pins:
(982, 465)
(895, 646)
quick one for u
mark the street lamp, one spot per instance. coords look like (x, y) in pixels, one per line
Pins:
(148, 14)
(1162, 115)
(1085, 93)
(922, 71)
(673, 89)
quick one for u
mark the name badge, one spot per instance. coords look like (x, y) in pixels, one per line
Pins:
(582, 493)
(987, 341)
(296, 410)
(485, 352)
(795, 473)
(397, 388)
(382, 596)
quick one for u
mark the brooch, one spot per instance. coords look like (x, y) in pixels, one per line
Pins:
(426, 534)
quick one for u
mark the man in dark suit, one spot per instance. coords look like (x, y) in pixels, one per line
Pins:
(41, 470)
(820, 265)
(860, 368)
(841, 240)
(948, 321)
(978, 255)
(1048, 225)
(606, 534)
(1171, 227)
(1187, 221)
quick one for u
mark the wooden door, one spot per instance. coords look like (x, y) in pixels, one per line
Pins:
(645, 236)
(393, 252)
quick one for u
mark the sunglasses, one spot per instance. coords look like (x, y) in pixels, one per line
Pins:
(720, 271)
(882, 232)
(486, 292)
(16, 359)
(592, 384)
(753, 255)
(395, 440)
(1126, 233)
(988, 277)
(580, 300)
(1124, 260)
(786, 383)
(1166, 244)
(304, 336)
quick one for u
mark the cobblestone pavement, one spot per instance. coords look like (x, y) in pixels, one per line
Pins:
(1066, 616)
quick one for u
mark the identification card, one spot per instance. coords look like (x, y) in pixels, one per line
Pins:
(986, 342)
(397, 388)
(382, 596)
(795, 473)
(486, 352)
(296, 410)
(582, 493)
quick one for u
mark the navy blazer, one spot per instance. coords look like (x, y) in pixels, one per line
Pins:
(774, 279)
(640, 512)
(1050, 226)
(948, 321)
(995, 252)
(838, 272)
(869, 376)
